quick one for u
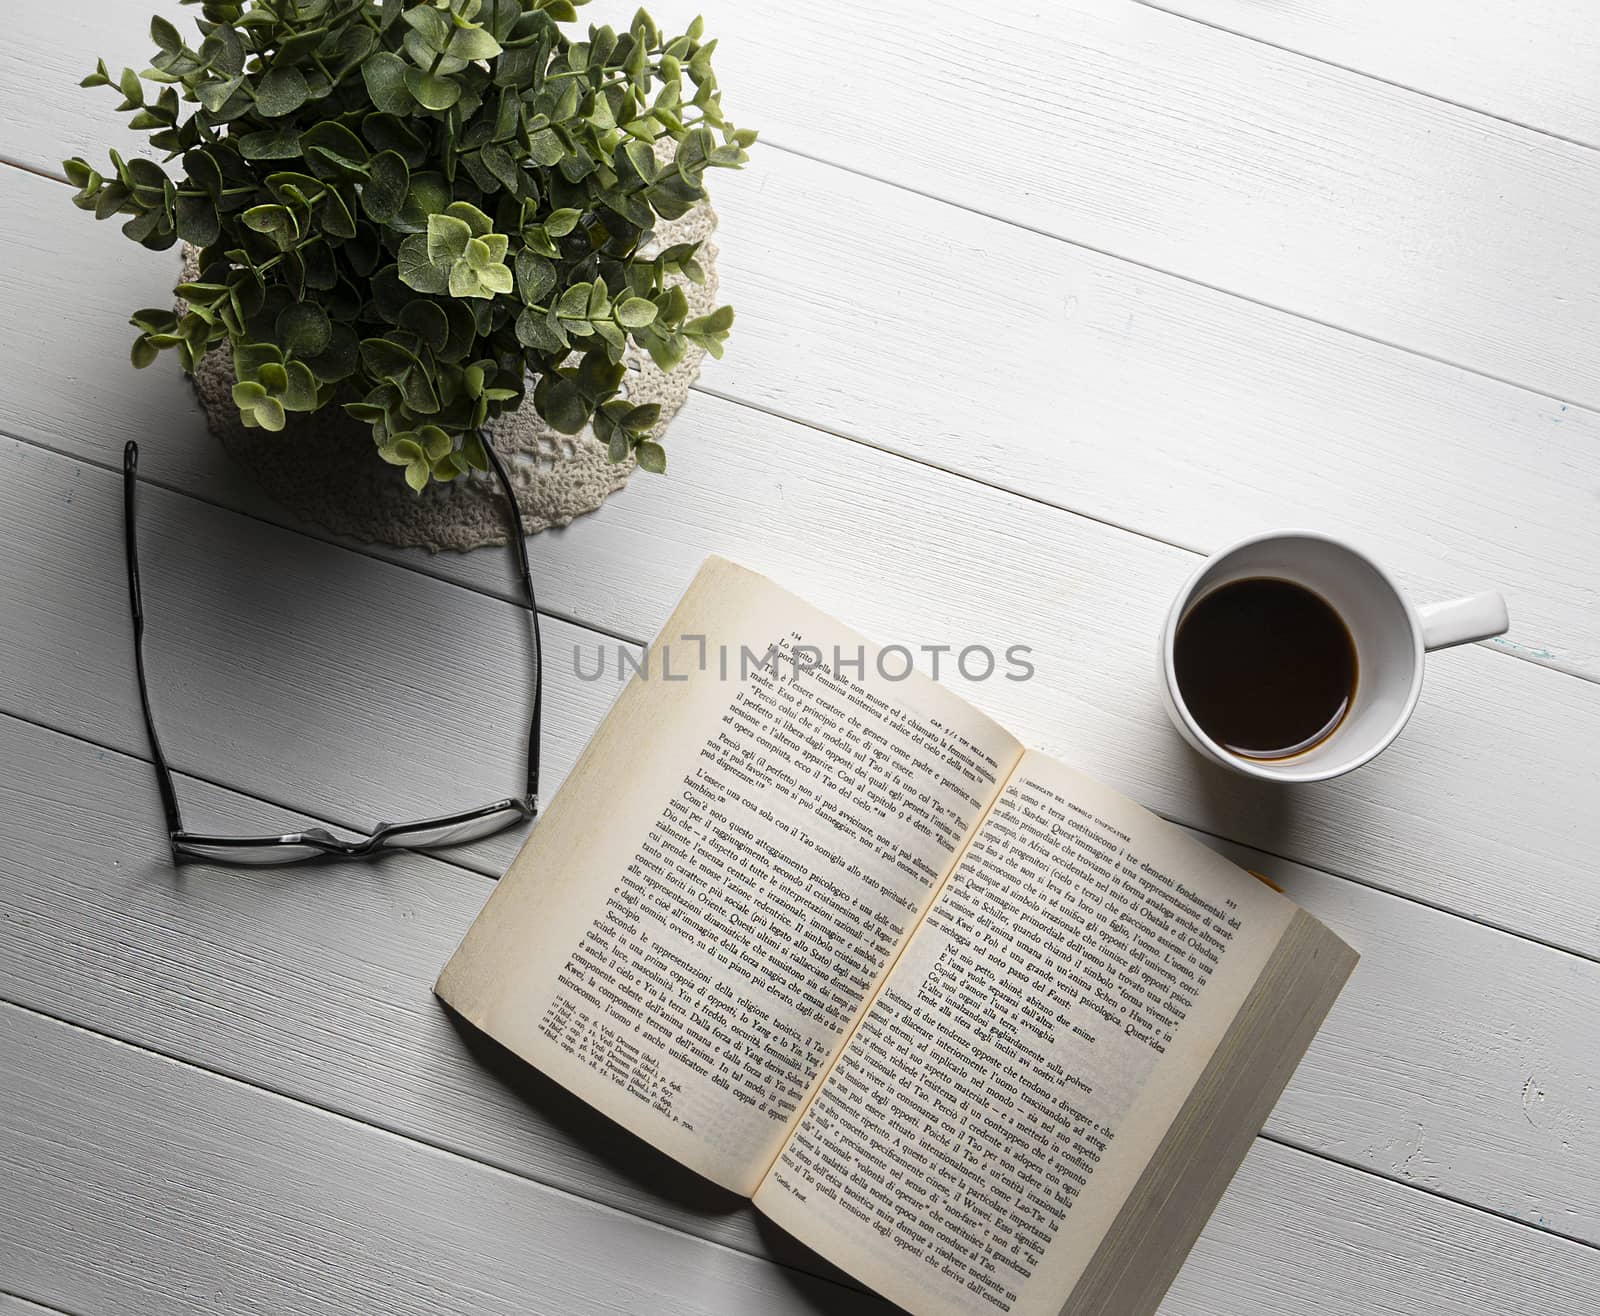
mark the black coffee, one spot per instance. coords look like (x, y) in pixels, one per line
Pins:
(1266, 666)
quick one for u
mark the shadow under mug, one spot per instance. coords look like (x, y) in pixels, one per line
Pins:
(1390, 636)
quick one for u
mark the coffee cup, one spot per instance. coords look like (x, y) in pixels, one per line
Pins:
(1274, 594)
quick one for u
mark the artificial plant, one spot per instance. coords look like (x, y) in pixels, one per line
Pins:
(404, 206)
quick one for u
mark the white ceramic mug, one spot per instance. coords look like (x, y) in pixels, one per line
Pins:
(1391, 637)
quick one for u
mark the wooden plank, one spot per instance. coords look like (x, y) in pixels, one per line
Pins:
(1133, 131)
(1155, 404)
(11, 1305)
(314, 982)
(1139, 133)
(172, 1190)
(1428, 1071)
(1532, 64)
(1459, 813)
(144, 1186)
(1125, 394)
(314, 676)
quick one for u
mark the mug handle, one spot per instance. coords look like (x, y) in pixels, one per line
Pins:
(1461, 621)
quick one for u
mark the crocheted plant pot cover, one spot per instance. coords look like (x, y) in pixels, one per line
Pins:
(322, 465)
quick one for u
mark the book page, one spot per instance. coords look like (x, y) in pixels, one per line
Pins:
(1025, 1055)
(700, 916)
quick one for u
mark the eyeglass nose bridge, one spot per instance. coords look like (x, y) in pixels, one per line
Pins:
(327, 841)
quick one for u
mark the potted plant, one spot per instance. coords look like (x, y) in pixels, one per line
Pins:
(404, 208)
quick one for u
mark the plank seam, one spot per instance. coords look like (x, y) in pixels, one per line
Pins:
(1363, 73)
(35, 1302)
(243, 792)
(322, 535)
(1511, 651)
(415, 1141)
(1492, 645)
(994, 216)
(506, 595)
(1443, 1196)
(568, 1193)
(913, 190)
(1557, 947)
(460, 865)
(1299, 1147)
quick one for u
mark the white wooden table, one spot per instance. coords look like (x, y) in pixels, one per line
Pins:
(1056, 298)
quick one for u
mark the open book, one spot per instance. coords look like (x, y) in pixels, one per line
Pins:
(985, 1034)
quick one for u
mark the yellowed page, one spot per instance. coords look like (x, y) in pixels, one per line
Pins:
(703, 910)
(1010, 1080)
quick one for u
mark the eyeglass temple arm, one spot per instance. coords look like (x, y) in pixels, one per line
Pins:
(169, 796)
(519, 538)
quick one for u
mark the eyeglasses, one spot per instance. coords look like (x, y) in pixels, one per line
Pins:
(291, 847)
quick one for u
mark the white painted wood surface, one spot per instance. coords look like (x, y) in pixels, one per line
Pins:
(1534, 64)
(367, 1222)
(1187, 284)
(1222, 405)
(1228, 162)
(377, 1047)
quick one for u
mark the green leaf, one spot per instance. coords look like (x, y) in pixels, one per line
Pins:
(268, 413)
(270, 144)
(282, 91)
(564, 407)
(475, 220)
(496, 278)
(559, 223)
(574, 303)
(435, 442)
(464, 281)
(500, 164)
(214, 95)
(635, 312)
(165, 35)
(433, 91)
(545, 148)
(384, 192)
(304, 328)
(417, 476)
(402, 452)
(384, 72)
(640, 418)
(431, 25)
(417, 271)
(715, 325)
(274, 221)
(474, 43)
(340, 358)
(197, 221)
(132, 91)
(386, 359)
(533, 330)
(144, 352)
(300, 388)
(428, 194)
(428, 321)
(447, 238)
(336, 144)
(652, 457)
(535, 276)
(337, 221)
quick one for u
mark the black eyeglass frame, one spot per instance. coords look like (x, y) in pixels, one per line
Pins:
(320, 842)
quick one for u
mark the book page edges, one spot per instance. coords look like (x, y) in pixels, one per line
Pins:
(1204, 1146)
